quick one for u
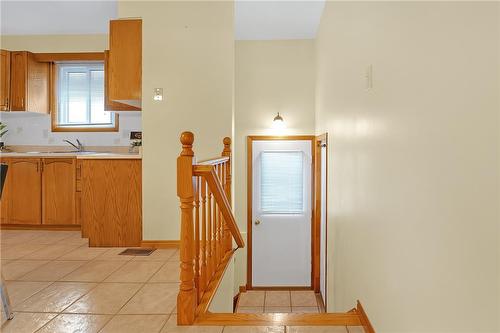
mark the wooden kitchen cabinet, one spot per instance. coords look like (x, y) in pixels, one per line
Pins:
(110, 105)
(58, 191)
(111, 203)
(4, 80)
(24, 191)
(29, 83)
(125, 61)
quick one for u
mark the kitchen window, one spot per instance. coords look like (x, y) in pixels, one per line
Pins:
(79, 98)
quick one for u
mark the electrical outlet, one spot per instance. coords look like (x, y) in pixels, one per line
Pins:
(19, 129)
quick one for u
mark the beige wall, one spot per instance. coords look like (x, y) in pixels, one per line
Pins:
(188, 50)
(413, 190)
(55, 43)
(270, 77)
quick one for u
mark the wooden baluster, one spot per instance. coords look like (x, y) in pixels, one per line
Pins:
(220, 228)
(186, 300)
(215, 241)
(228, 240)
(203, 277)
(197, 236)
(210, 240)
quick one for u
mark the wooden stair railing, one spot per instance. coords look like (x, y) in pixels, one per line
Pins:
(208, 226)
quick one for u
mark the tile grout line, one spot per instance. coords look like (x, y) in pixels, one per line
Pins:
(99, 282)
(164, 324)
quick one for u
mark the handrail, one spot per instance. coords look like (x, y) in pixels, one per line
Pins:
(214, 161)
(208, 172)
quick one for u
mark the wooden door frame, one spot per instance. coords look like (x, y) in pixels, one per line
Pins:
(320, 140)
(314, 259)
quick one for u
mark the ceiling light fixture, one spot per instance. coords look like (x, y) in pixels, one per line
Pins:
(278, 122)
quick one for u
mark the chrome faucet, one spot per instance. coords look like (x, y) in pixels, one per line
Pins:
(79, 147)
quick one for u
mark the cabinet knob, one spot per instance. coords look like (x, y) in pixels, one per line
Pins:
(257, 222)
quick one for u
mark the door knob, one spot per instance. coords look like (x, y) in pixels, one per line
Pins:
(257, 222)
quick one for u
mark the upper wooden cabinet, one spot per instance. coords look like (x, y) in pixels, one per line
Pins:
(29, 83)
(125, 62)
(110, 105)
(4, 80)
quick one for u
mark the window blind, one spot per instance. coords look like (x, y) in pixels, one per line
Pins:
(282, 182)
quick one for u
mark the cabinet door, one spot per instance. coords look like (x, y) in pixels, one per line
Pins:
(125, 61)
(18, 80)
(25, 191)
(58, 191)
(37, 99)
(4, 200)
(109, 104)
(112, 202)
(4, 80)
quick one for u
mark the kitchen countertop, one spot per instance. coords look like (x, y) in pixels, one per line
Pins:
(78, 155)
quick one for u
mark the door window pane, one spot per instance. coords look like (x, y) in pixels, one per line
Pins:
(282, 182)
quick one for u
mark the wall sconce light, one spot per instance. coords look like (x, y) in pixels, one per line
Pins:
(278, 122)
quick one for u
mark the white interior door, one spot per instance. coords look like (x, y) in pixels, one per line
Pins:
(281, 211)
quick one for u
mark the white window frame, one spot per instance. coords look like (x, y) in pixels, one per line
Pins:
(58, 125)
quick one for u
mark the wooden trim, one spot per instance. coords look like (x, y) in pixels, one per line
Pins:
(54, 109)
(321, 303)
(250, 140)
(249, 211)
(281, 137)
(317, 212)
(243, 289)
(284, 319)
(364, 321)
(161, 244)
(72, 56)
(209, 173)
(72, 227)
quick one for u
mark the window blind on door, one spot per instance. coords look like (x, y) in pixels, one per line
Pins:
(282, 182)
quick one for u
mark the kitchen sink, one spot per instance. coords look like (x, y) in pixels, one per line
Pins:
(86, 152)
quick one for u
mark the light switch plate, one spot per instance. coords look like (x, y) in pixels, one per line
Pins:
(158, 94)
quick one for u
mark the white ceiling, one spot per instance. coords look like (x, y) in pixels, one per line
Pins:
(56, 17)
(260, 20)
(254, 20)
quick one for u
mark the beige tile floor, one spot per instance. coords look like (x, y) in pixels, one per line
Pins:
(277, 302)
(57, 284)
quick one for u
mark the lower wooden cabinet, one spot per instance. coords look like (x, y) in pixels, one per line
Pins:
(111, 203)
(58, 191)
(24, 189)
(103, 196)
(39, 191)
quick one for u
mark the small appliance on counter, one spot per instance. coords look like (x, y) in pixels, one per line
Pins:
(135, 142)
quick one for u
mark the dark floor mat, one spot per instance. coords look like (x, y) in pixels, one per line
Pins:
(137, 252)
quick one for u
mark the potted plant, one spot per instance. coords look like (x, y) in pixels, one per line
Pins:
(3, 131)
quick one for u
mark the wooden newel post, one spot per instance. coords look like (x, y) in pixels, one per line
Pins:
(186, 300)
(228, 241)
